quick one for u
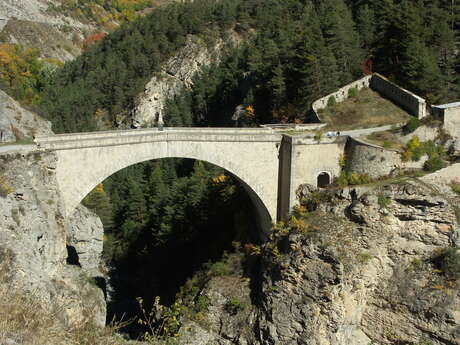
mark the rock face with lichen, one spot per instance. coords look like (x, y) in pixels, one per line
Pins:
(176, 74)
(17, 122)
(359, 270)
(36, 239)
(353, 266)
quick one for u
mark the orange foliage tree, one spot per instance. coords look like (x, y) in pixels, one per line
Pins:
(88, 41)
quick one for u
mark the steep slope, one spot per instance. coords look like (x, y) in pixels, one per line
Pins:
(18, 123)
(32, 24)
(363, 268)
(36, 261)
(358, 266)
(58, 28)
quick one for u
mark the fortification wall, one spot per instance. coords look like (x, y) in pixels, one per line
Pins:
(414, 104)
(364, 158)
(342, 93)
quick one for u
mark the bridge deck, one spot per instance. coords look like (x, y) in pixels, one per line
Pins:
(137, 136)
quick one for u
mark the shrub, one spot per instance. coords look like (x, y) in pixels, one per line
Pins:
(455, 186)
(318, 135)
(415, 149)
(435, 162)
(331, 101)
(234, 305)
(342, 179)
(354, 178)
(448, 261)
(411, 125)
(383, 201)
(5, 189)
(353, 92)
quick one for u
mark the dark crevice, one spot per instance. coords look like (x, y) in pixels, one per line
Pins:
(72, 256)
(416, 203)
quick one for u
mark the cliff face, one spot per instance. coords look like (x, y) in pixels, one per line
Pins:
(176, 74)
(360, 271)
(17, 122)
(37, 244)
(358, 268)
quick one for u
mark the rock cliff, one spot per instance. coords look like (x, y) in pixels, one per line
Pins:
(359, 270)
(37, 244)
(354, 266)
(18, 123)
(176, 74)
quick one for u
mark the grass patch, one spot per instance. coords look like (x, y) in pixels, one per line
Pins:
(387, 139)
(25, 319)
(365, 110)
(455, 186)
(5, 188)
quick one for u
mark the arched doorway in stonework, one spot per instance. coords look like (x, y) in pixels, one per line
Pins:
(323, 180)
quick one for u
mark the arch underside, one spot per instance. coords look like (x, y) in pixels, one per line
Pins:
(80, 170)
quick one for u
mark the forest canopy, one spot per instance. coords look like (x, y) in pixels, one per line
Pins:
(293, 52)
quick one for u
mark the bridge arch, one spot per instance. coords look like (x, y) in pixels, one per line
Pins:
(83, 162)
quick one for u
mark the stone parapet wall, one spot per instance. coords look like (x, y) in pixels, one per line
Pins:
(342, 93)
(129, 137)
(412, 103)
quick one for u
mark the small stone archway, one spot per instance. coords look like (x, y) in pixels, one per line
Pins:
(323, 179)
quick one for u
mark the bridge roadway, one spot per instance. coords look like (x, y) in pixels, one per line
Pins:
(269, 165)
(142, 135)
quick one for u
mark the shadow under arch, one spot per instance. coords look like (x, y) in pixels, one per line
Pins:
(263, 218)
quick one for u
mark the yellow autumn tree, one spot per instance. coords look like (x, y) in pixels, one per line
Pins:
(250, 112)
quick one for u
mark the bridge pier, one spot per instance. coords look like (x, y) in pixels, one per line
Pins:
(301, 161)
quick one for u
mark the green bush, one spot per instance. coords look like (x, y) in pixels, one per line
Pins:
(234, 305)
(448, 261)
(353, 92)
(435, 162)
(346, 179)
(219, 268)
(383, 201)
(331, 101)
(412, 125)
(455, 186)
(355, 178)
(318, 135)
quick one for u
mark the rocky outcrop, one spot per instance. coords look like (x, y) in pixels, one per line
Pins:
(85, 234)
(37, 238)
(359, 271)
(177, 73)
(229, 318)
(17, 122)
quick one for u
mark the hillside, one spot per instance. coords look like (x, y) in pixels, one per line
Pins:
(60, 28)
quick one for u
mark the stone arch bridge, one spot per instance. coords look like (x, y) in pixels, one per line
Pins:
(269, 165)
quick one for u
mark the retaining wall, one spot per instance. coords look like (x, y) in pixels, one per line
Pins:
(376, 161)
